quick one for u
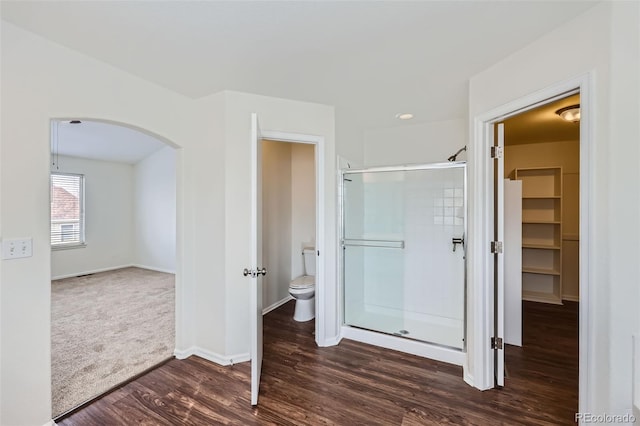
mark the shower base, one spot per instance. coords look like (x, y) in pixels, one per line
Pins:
(402, 344)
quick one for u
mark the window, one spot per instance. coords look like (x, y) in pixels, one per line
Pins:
(67, 232)
(67, 210)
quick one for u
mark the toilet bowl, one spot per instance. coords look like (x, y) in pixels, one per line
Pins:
(303, 288)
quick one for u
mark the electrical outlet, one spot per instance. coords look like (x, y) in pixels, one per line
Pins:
(17, 248)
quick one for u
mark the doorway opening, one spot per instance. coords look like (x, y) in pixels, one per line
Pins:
(541, 249)
(487, 316)
(289, 226)
(113, 257)
(314, 180)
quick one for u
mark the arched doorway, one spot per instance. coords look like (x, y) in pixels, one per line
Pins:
(113, 256)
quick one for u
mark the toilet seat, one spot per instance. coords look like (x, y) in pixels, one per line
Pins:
(305, 281)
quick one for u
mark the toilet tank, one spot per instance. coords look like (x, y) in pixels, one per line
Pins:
(309, 254)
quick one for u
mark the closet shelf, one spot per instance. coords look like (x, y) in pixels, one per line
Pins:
(541, 197)
(542, 271)
(537, 296)
(542, 222)
(540, 246)
(541, 233)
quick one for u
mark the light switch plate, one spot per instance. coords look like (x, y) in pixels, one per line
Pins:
(17, 248)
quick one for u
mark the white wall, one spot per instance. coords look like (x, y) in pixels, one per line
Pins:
(108, 189)
(40, 81)
(417, 143)
(154, 211)
(303, 204)
(276, 220)
(351, 145)
(604, 40)
(624, 200)
(201, 190)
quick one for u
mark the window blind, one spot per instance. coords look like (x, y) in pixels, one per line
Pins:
(67, 209)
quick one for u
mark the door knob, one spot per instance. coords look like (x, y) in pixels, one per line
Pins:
(457, 241)
(254, 273)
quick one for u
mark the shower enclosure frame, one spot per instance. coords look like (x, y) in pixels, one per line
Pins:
(425, 349)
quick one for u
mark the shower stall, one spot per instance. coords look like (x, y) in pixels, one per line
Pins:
(403, 252)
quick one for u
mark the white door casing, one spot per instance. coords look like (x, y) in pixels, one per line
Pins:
(322, 304)
(481, 356)
(498, 165)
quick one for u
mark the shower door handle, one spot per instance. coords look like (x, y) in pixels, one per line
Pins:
(457, 241)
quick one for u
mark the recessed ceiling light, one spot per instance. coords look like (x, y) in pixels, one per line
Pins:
(570, 113)
(404, 116)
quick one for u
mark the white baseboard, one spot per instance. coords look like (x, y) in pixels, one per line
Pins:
(571, 298)
(50, 423)
(276, 305)
(635, 371)
(153, 268)
(331, 341)
(92, 271)
(212, 356)
(426, 350)
(468, 378)
(112, 268)
(184, 353)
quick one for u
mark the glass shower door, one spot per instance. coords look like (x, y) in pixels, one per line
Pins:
(373, 252)
(403, 233)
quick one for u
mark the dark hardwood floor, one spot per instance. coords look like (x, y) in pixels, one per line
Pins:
(355, 384)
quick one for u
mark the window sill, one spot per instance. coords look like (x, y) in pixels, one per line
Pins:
(68, 246)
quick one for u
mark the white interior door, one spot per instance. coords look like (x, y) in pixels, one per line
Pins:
(256, 271)
(499, 256)
(513, 262)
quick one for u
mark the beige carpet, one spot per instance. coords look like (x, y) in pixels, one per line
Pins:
(106, 328)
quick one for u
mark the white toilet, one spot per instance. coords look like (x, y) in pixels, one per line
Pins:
(303, 288)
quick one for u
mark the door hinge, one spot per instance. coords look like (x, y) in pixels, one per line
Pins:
(496, 343)
(496, 151)
(496, 247)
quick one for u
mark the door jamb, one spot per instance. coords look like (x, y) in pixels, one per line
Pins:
(481, 216)
(319, 143)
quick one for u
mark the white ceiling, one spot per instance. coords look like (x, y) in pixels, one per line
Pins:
(102, 141)
(371, 59)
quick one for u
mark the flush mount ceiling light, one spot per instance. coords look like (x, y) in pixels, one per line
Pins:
(404, 116)
(570, 113)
